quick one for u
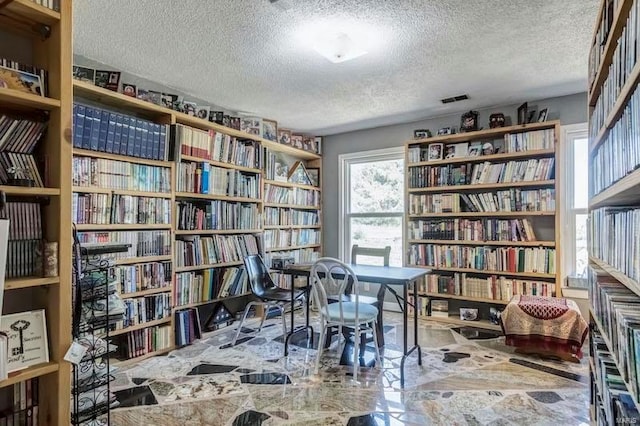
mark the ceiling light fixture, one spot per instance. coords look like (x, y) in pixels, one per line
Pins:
(337, 47)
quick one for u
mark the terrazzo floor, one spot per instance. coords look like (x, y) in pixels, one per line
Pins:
(472, 380)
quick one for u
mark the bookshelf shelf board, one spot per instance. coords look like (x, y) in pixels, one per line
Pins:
(453, 320)
(29, 191)
(631, 284)
(217, 231)
(626, 191)
(96, 190)
(208, 266)
(205, 302)
(486, 243)
(217, 197)
(475, 187)
(123, 363)
(483, 272)
(292, 247)
(37, 370)
(31, 11)
(145, 292)
(483, 158)
(618, 108)
(122, 227)
(619, 22)
(16, 98)
(291, 185)
(291, 226)
(28, 282)
(114, 99)
(123, 158)
(144, 259)
(140, 326)
(291, 206)
(220, 164)
(484, 134)
(483, 214)
(467, 298)
(287, 149)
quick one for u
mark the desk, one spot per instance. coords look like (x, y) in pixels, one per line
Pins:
(385, 275)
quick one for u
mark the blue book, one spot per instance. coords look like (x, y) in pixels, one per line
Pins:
(104, 127)
(117, 134)
(204, 184)
(86, 130)
(137, 138)
(95, 130)
(126, 132)
(78, 130)
(163, 142)
(156, 142)
(111, 132)
(146, 147)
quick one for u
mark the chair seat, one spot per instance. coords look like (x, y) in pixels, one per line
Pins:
(366, 313)
(280, 294)
(369, 300)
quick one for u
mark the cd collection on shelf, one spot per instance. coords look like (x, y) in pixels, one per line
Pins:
(196, 250)
(493, 287)
(143, 276)
(142, 243)
(488, 229)
(19, 404)
(217, 215)
(512, 200)
(95, 208)
(19, 138)
(91, 172)
(24, 240)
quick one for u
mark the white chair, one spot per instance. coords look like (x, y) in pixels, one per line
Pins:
(329, 280)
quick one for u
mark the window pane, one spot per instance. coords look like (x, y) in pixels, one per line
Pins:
(582, 256)
(378, 232)
(377, 186)
(580, 173)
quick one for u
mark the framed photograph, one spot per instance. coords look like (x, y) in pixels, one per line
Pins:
(456, 150)
(280, 168)
(234, 123)
(226, 120)
(298, 174)
(143, 95)
(270, 130)
(216, 117)
(168, 100)
(84, 74)
(114, 81)
(189, 108)
(154, 97)
(531, 116)
(488, 149)
(27, 339)
(435, 152)
(314, 175)
(317, 145)
(251, 125)
(284, 136)
(469, 121)
(469, 314)
(101, 78)
(421, 134)
(307, 143)
(202, 112)
(522, 113)
(440, 308)
(542, 116)
(21, 81)
(129, 90)
(475, 149)
(445, 131)
(296, 140)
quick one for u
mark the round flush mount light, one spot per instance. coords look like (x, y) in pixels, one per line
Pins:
(337, 47)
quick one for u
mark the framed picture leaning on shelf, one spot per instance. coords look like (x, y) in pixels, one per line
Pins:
(314, 175)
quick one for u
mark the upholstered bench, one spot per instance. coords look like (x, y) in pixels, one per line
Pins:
(545, 326)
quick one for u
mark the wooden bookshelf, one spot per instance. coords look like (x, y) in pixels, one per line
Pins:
(195, 195)
(95, 190)
(631, 284)
(28, 282)
(140, 326)
(27, 9)
(123, 363)
(220, 164)
(292, 206)
(24, 101)
(208, 266)
(217, 231)
(292, 226)
(122, 227)
(29, 191)
(624, 192)
(291, 185)
(143, 259)
(147, 292)
(293, 247)
(551, 219)
(118, 157)
(38, 370)
(205, 302)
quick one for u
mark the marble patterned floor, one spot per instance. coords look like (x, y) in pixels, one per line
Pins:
(467, 378)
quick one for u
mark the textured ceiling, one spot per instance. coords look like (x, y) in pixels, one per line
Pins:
(251, 56)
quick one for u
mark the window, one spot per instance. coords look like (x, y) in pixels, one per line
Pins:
(372, 201)
(575, 202)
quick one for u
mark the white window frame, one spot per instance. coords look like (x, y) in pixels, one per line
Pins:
(569, 134)
(344, 222)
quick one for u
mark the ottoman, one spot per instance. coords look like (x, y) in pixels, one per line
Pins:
(545, 326)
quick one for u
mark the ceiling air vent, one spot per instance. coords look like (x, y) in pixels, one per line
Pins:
(454, 99)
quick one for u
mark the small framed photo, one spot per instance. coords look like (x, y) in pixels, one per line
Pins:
(542, 116)
(189, 108)
(216, 117)
(251, 125)
(421, 134)
(522, 113)
(168, 100)
(469, 314)
(155, 97)
(456, 150)
(317, 144)
(284, 136)
(296, 140)
(475, 149)
(84, 74)
(435, 152)
(307, 143)
(234, 123)
(488, 149)
(270, 130)
(21, 81)
(445, 131)
(531, 116)
(129, 90)
(314, 175)
(203, 112)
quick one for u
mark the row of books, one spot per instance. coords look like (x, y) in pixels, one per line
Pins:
(187, 327)
(481, 173)
(499, 259)
(143, 243)
(51, 4)
(277, 216)
(144, 309)
(493, 287)
(112, 174)
(295, 196)
(217, 215)
(510, 200)
(22, 167)
(601, 37)
(622, 63)
(615, 238)
(209, 284)
(25, 239)
(19, 404)
(305, 255)
(143, 276)
(20, 135)
(119, 209)
(42, 73)
(98, 129)
(215, 146)
(419, 303)
(472, 229)
(202, 178)
(140, 342)
(197, 250)
(286, 280)
(274, 238)
(618, 155)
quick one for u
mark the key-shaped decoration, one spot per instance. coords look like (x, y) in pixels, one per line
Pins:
(19, 326)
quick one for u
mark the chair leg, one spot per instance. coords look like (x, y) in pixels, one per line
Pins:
(284, 319)
(356, 350)
(264, 317)
(320, 348)
(244, 317)
(375, 343)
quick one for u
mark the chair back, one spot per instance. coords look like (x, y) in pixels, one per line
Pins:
(258, 274)
(329, 280)
(384, 253)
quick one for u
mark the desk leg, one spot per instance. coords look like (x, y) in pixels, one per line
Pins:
(405, 339)
(293, 328)
(405, 321)
(415, 323)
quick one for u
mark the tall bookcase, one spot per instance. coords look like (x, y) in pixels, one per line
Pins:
(50, 35)
(481, 213)
(614, 275)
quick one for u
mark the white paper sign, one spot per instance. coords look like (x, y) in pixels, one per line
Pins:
(27, 344)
